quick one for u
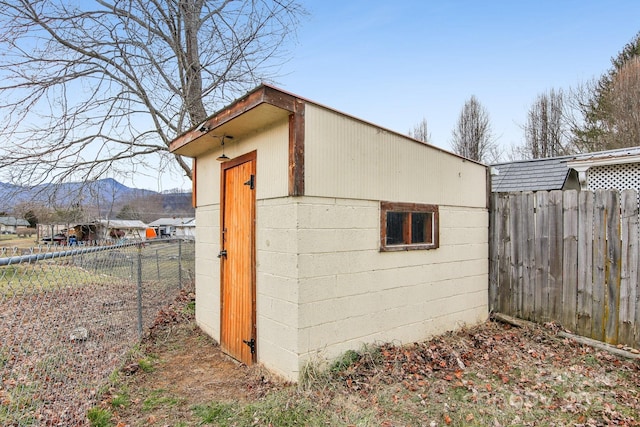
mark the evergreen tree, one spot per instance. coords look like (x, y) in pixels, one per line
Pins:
(612, 105)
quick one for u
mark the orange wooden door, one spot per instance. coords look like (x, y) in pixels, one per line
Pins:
(238, 258)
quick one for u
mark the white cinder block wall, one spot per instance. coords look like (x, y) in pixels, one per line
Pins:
(323, 286)
(277, 285)
(208, 270)
(350, 293)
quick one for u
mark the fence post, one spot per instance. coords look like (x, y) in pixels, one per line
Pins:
(139, 289)
(158, 263)
(180, 264)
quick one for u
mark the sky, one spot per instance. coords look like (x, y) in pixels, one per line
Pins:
(394, 63)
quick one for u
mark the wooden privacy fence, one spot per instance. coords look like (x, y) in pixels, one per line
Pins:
(570, 257)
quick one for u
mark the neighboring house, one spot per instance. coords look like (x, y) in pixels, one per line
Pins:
(9, 224)
(318, 232)
(187, 228)
(613, 169)
(175, 227)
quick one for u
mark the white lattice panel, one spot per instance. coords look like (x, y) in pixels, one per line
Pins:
(619, 177)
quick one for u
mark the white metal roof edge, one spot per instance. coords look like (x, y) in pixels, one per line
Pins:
(584, 164)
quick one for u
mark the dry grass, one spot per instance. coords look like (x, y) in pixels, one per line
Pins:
(11, 241)
(493, 374)
(67, 323)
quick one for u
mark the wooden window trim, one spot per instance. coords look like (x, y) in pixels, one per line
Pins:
(408, 208)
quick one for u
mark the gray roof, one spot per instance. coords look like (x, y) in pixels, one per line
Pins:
(546, 174)
(530, 175)
(9, 220)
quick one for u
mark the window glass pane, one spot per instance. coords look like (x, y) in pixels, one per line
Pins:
(395, 227)
(421, 227)
(408, 226)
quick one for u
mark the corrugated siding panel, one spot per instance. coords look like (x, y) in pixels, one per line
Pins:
(347, 158)
(272, 161)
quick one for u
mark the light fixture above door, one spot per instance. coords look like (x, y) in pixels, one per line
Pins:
(223, 157)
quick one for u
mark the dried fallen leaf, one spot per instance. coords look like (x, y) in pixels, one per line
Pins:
(447, 419)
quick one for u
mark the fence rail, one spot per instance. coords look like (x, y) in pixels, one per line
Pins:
(69, 316)
(570, 257)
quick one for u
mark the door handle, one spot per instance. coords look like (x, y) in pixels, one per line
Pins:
(222, 253)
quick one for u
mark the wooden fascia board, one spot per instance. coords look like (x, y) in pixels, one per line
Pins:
(263, 94)
(296, 150)
(269, 95)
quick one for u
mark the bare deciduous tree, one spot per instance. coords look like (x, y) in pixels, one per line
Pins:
(421, 131)
(472, 137)
(622, 123)
(545, 134)
(107, 84)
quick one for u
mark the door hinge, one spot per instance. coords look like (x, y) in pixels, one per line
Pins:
(252, 182)
(252, 344)
(222, 253)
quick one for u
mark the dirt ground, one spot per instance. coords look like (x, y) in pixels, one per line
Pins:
(493, 374)
(187, 368)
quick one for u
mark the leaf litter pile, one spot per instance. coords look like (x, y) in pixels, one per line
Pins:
(493, 374)
(497, 374)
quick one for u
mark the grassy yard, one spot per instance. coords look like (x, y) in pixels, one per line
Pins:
(492, 374)
(13, 241)
(67, 322)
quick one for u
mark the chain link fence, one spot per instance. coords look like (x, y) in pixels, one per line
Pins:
(70, 315)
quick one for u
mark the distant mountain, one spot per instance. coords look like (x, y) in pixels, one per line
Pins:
(103, 194)
(7, 192)
(173, 202)
(72, 193)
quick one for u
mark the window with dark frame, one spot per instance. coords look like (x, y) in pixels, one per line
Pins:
(408, 226)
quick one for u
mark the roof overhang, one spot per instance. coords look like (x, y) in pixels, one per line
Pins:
(583, 164)
(258, 109)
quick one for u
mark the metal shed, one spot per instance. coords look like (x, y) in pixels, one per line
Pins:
(318, 232)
